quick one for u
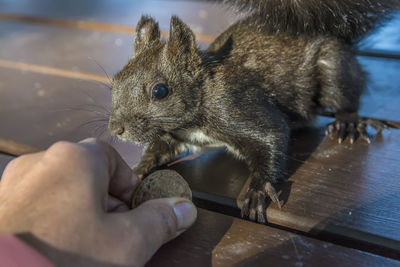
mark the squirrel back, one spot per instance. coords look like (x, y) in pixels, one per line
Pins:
(345, 19)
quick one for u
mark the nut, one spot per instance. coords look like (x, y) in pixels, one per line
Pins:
(161, 184)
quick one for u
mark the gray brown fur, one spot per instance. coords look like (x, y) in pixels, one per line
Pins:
(345, 19)
(245, 92)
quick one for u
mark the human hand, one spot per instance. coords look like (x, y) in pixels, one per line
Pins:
(72, 203)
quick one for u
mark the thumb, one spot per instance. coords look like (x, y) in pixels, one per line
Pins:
(159, 220)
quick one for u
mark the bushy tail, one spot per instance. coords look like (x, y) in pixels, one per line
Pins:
(346, 19)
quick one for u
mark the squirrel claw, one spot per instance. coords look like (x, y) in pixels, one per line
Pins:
(354, 130)
(272, 194)
(143, 169)
(254, 204)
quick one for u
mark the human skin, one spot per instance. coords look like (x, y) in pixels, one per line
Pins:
(72, 203)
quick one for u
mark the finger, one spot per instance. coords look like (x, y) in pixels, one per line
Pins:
(116, 205)
(122, 181)
(158, 221)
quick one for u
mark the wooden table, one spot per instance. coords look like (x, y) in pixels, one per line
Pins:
(341, 202)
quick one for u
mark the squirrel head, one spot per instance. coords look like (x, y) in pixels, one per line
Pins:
(158, 91)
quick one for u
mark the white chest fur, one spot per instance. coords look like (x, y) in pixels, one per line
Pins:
(197, 138)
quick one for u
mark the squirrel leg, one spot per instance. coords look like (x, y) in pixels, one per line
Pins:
(157, 154)
(342, 80)
(264, 150)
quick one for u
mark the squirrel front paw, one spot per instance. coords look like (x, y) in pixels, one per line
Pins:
(144, 168)
(254, 204)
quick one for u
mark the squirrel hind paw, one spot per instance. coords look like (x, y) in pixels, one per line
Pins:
(354, 129)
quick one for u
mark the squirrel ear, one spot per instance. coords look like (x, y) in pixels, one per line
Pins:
(147, 34)
(181, 38)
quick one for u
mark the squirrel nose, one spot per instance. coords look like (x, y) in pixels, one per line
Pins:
(116, 128)
(120, 130)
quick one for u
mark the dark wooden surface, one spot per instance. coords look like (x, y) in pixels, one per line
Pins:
(78, 50)
(38, 109)
(221, 240)
(203, 16)
(104, 53)
(342, 201)
(344, 192)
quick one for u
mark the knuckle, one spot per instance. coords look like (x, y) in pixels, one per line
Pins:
(18, 161)
(63, 147)
(67, 151)
(14, 165)
(66, 154)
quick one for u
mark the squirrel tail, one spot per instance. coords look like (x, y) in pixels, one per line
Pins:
(345, 19)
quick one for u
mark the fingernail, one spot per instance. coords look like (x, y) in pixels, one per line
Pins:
(185, 213)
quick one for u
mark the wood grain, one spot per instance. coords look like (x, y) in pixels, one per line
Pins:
(220, 240)
(94, 55)
(38, 110)
(90, 25)
(335, 192)
(69, 52)
(51, 88)
(16, 149)
(206, 17)
(52, 71)
(78, 24)
(224, 188)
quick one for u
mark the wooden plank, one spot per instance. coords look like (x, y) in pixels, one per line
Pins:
(93, 55)
(346, 193)
(312, 222)
(94, 25)
(38, 110)
(203, 17)
(68, 49)
(16, 149)
(53, 71)
(221, 240)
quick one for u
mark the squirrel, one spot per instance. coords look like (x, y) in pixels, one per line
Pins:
(268, 73)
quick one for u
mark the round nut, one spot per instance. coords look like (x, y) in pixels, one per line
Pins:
(161, 184)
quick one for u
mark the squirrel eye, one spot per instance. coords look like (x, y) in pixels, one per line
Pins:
(160, 91)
